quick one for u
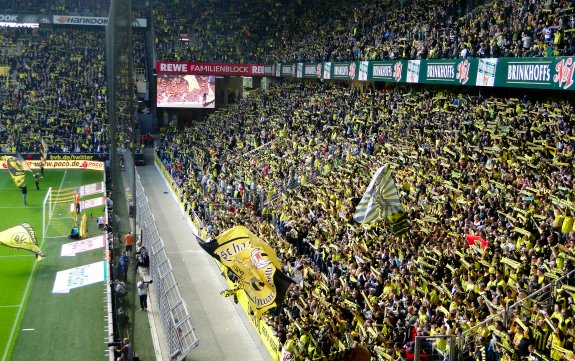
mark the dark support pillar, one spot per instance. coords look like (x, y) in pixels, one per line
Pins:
(225, 90)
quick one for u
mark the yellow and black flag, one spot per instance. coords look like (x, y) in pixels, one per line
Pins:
(254, 263)
(15, 169)
(380, 200)
(43, 150)
(25, 164)
(399, 223)
(22, 237)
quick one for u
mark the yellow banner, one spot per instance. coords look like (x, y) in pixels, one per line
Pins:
(22, 237)
(15, 169)
(255, 264)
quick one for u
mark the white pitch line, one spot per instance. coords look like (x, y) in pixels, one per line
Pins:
(27, 329)
(11, 306)
(26, 290)
(16, 255)
(25, 296)
(22, 207)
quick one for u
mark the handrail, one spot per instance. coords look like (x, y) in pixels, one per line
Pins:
(505, 313)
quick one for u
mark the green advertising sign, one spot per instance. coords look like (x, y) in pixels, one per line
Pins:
(387, 71)
(288, 70)
(457, 72)
(312, 70)
(525, 73)
(343, 71)
(540, 73)
(269, 70)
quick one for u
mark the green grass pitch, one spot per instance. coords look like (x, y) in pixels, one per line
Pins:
(34, 323)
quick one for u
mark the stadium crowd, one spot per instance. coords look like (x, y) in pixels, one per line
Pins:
(54, 89)
(439, 30)
(60, 7)
(291, 162)
(218, 31)
(363, 30)
(499, 168)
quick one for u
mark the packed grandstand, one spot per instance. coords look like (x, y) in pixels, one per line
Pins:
(290, 163)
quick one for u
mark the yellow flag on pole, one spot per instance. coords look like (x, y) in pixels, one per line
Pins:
(16, 171)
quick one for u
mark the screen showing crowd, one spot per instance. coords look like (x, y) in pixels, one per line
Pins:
(186, 91)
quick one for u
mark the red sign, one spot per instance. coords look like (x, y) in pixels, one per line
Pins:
(209, 68)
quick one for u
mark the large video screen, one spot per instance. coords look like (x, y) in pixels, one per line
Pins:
(186, 91)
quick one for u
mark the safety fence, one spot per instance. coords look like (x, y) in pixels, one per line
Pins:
(435, 348)
(473, 340)
(176, 320)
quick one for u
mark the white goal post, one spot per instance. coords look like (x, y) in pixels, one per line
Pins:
(47, 208)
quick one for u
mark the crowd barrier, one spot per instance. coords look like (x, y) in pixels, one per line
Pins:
(265, 332)
(471, 339)
(176, 320)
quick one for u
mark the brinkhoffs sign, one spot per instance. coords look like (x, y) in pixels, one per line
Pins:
(541, 73)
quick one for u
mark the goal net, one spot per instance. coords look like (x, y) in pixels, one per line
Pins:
(57, 217)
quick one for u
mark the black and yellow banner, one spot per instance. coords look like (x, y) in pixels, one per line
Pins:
(399, 223)
(22, 237)
(16, 171)
(254, 263)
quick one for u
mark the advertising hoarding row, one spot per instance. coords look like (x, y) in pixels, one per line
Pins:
(63, 20)
(540, 73)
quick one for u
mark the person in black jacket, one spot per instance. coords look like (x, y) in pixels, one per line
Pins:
(24, 192)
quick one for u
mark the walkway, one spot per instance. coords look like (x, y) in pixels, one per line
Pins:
(222, 327)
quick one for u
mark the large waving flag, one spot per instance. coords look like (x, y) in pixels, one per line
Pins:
(25, 164)
(254, 263)
(22, 237)
(16, 171)
(43, 150)
(380, 200)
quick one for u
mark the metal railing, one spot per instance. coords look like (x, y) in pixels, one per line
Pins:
(473, 338)
(436, 348)
(176, 320)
